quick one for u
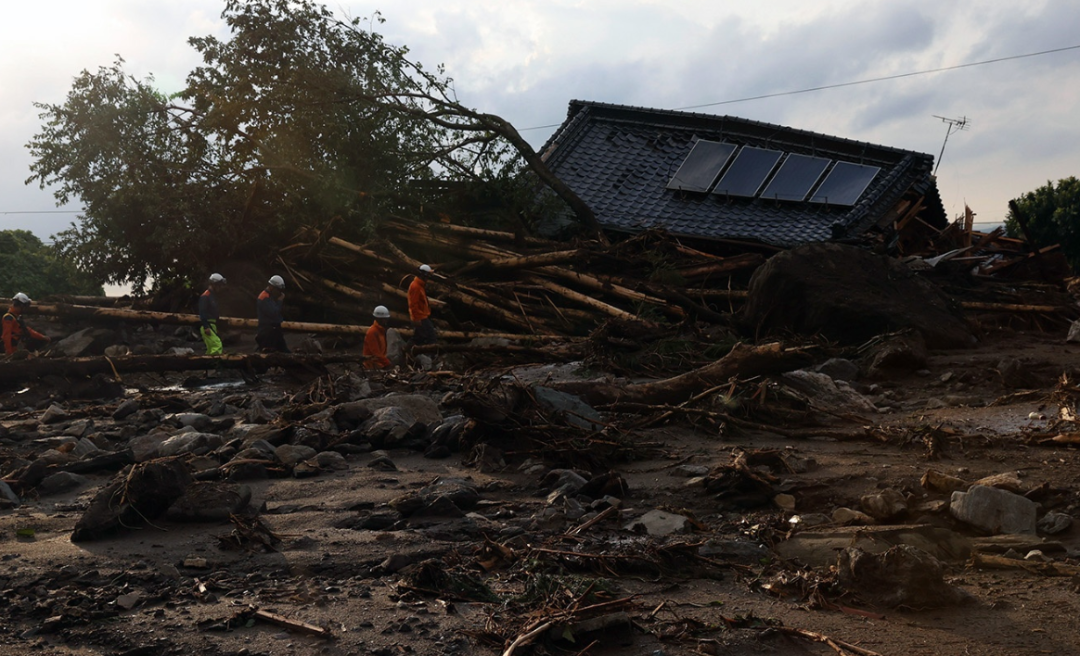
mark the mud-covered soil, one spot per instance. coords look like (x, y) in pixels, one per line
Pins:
(329, 573)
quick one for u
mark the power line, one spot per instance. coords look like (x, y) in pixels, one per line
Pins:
(44, 212)
(857, 82)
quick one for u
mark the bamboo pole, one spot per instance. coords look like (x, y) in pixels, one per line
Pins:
(1013, 307)
(146, 316)
(583, 299)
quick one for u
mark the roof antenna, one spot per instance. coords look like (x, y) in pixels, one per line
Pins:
(955, 125)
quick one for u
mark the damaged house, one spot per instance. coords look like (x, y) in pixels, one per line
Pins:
(722, 178)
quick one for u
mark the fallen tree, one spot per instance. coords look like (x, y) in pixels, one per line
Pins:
(742, 362)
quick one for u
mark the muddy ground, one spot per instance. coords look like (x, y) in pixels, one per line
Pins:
(175, 588)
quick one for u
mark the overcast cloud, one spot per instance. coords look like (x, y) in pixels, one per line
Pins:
(526, 60)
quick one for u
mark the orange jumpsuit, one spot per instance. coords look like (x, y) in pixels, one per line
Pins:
(418, 303)
(375, 347)
(16, 331)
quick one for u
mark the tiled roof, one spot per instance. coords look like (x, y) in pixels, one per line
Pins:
(619, 159)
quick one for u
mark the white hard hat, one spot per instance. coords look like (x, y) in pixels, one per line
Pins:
(426, 269)
(217, 277)
(21, 298)
(277, 281)
(381, 312)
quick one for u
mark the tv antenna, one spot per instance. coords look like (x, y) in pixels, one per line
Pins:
(955, 125)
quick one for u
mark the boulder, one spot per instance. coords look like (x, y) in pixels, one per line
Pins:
(903, 576)
(567, 408)
(884, 506)
(189, 442)
(849, 295)
(61, 482)
(828, 394)
(292, 454)
(390, 426)
(994, 511)
(136, 495)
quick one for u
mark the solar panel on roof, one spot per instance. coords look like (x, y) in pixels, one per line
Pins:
(748, 172)
(845, 183)
(796, 177)
(701, 166)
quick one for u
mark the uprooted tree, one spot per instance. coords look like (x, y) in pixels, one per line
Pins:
(299, 117)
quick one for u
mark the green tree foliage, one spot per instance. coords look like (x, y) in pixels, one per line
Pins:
(31, 267)
(298, 118)
(1052, 213)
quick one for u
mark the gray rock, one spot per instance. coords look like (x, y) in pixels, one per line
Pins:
(658, 522)
(292, 454)
(189, 442)
(7, 494)
(85, 448)
(180, 350)
(117, 350)
(389, 426)
(849, 517)
(1054, 523)
(61, 482)
(395, 347)
(54, 414)
(79, 428)
(422, 408)
(884, 506)
(818, 546)
(125, 409)
(993, 510)
(331, 460)
(196, 420)
(828, 394)
(257, 413)
(567, 480)
(1074, 332)
(75, 344)
(839, 369)
(568, 408)
(690, 471)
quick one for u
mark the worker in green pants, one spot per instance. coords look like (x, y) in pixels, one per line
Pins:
(209, 314)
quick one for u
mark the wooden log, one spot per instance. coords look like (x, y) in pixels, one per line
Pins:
(599, 285)
(146, 316)
(12, 371)
(584, 300)
(728, 265)
(465, 231)
(743, 361)
(1014, 307)
(521, 261)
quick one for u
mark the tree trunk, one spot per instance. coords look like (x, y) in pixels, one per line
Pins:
(743, 361)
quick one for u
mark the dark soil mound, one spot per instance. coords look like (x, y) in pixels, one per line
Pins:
(849, 295)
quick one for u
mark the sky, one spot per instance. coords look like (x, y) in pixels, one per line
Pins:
(525, 60)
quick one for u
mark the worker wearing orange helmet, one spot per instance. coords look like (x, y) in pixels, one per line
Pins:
(16, 332)
(375, 340)
(419, 310)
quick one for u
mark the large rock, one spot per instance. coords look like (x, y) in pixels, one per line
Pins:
(189, 442)
(849, 295)
(135, 496)
(423, 408)
(902, 576)
(828, 394)
(462, 493)
(568, 407)
(658, 522)
(994, 511)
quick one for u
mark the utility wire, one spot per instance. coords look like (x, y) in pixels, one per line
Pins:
(857, 82)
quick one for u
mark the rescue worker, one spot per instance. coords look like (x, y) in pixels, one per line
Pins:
(375, 340)
(16, 331)
(209, 314)
(419, 310)
(270, 337)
